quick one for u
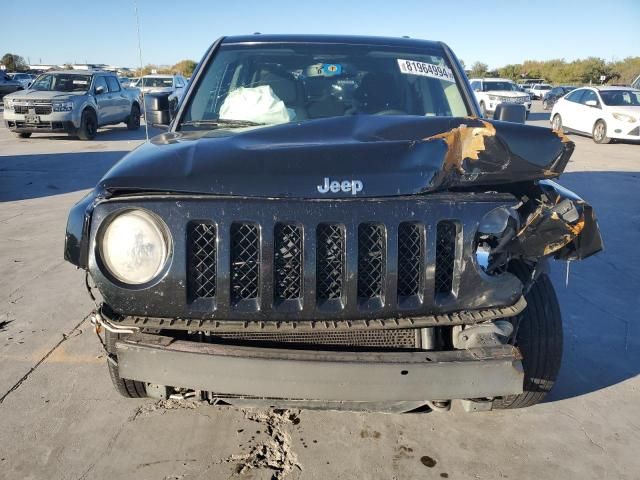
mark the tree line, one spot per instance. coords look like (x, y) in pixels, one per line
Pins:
(17, 63)
(589, 70)
(559, 71)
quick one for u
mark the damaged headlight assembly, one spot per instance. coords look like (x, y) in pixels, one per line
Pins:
(134, 247)
(549, 221)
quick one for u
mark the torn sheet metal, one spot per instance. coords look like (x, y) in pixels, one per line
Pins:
(550, 221)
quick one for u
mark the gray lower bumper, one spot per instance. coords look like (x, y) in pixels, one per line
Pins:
(322, 375)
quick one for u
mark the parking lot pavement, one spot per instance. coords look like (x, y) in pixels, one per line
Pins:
(60, 417)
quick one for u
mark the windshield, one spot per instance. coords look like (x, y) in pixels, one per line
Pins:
(62, 82)
(543, 87)
(621, 98)
(156, 82)
(493, 86)
(278, 83)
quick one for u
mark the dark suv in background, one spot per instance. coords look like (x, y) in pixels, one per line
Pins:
(554, 94)
(7, 85)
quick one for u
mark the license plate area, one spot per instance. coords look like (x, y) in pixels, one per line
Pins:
(32, 119)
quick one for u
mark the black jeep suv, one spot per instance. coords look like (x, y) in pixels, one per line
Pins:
(328, 222)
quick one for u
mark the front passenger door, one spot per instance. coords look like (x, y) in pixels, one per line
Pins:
(103, 100)
(588, 114)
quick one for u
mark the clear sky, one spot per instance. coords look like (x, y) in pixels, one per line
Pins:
(495, 32)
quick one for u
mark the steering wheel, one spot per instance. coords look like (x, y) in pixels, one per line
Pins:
(391, 111)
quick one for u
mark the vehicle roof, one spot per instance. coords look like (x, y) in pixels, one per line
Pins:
(605, 88)
(493, 79)
(160, 75)
(80, 72)
(350, 39)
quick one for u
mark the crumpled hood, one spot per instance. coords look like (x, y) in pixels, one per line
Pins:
(388, 155)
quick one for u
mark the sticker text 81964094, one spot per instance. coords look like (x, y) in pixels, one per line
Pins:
(411, 67)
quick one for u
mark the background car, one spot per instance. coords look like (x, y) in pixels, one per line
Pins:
(161, 84)
(554, 94)
(539, 89)
(602, 112)
(7, 85)
(24, 79)
(490, 92)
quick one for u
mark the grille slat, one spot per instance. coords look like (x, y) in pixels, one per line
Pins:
(287, 262)
(447, 232)
(371, 260)
(203, 261)
(410, 259)
(245, 261)
(330, 240)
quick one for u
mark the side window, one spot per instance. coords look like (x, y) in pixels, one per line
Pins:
(114, 86)
(575, 95)
(475, 85)
(589, 95)
(179, 83)
(100, 82)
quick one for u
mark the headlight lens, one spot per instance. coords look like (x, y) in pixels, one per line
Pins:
(135, 246)
(62, 106)
(493, 97)
(624, 117)
(8, 103)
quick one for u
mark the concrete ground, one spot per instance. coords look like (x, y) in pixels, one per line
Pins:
(61, 419)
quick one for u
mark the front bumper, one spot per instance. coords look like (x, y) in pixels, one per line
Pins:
(491, 106)
(52, 122)
(321, 376)
(21, 126)
(624, 130)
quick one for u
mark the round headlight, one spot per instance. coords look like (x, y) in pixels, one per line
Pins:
(135, 247)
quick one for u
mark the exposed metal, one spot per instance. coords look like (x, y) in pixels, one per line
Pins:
(322, 376)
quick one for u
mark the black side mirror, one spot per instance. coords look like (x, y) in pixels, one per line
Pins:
(100, 90)
(157, 109)
(510, 112)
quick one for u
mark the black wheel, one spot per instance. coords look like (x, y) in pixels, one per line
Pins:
(538, 335)
(23, 134)
(545, 105)
(133, 122)
(126, 388)
(600, 132)
(483, 110)
(556, 123)
(88, 125)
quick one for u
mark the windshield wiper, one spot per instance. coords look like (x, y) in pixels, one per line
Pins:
(221, 123)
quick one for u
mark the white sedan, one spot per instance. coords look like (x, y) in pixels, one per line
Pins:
(602, 112)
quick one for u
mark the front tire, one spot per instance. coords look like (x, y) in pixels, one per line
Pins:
(133, 122)
(556, 123)
(545, 105)
(126, 388)
(538, 331)
(23, 134)
(88, 125)
(599, 132)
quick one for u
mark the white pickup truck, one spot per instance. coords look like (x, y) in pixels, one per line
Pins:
(74, 102)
